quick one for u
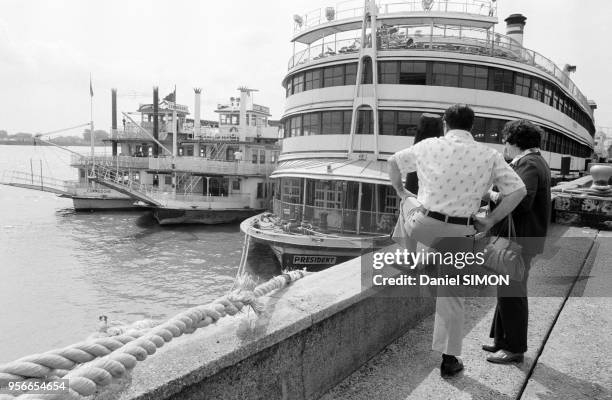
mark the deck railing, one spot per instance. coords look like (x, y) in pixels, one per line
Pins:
(203, 165)
(338, 220)
(110, 161)
(183, 163)
(354, 9)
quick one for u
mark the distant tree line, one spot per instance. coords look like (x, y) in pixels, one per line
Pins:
(28, 138)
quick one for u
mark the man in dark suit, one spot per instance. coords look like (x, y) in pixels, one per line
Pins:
(531, 218)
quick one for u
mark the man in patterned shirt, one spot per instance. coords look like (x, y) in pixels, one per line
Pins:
(454, 173)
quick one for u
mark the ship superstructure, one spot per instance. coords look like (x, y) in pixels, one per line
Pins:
(357, 83)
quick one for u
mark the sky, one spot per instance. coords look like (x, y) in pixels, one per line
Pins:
(49, 49)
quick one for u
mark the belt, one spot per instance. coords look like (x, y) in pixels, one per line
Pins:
(448, 218)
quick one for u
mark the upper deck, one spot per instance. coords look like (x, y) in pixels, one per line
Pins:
(406, 30)
(348, 15)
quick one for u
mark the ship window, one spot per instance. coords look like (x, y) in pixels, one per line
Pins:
(445, 74)
(167, 180)
(479, 129)
(236, 184)
(287, 128)
(521, 87)
(413, 73)
(346, 127)
(260, 190)
(388, 72)
(328, 194)
(296, 126)
(537, 89)
(313, 79)
(387, 122)
(365, 123)
(262, 156)
(254, 156)
(493, 130)
(547, 94)
(331, 123)
(350, 76)
(312, 124)
(474, 77)
(391, 200)
(366, 76)
(291, 190)
(333, 76)
(288, 88)
(501, 80)
(298, 83)
(407, 123)
(561, 103)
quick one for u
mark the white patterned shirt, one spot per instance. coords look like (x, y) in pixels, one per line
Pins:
(455, 171)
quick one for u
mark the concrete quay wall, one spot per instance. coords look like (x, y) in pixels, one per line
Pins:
(312, 335)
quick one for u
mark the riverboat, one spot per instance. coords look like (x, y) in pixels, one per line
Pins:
(357, 83)
(204, 175)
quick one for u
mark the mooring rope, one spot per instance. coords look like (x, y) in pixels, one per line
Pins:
(240, 274)
(99, 361)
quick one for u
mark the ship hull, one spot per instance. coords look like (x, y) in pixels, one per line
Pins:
(90, 203)
(314, 253)
(168, 216)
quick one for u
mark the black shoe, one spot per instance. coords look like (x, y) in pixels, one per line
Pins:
(450, 366)
(492, 348)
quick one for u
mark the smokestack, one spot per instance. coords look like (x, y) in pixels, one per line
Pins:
(114, 120)
(196, 112)
(155, 120)
(515, 24)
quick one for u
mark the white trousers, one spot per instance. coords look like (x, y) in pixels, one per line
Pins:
(449, 318)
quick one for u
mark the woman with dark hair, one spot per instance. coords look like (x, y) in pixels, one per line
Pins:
(530, 217)
(430, 126)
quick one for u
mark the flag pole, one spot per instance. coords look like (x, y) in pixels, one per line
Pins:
(91, 123)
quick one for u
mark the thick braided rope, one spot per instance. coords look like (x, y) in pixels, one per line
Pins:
(114, 356)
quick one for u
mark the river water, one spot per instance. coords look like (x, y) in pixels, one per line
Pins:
(60, 270)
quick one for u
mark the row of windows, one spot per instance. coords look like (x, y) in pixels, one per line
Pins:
(404, 123)
(444, 74)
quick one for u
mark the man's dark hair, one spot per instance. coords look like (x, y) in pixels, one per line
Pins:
(459, 116)
(523, 134)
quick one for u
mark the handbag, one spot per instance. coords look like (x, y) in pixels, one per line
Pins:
(504, 255)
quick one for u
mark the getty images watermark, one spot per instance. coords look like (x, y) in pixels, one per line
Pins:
(454, 262)
(573, 262)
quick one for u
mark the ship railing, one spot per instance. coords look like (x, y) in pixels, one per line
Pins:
(167, 198)
(354, 8)
(337, 220)
(110, 161)
(326, 49)
(467, 41)
(203, 165)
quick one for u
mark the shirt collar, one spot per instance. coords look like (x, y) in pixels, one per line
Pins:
(516, 159)
(459, 134)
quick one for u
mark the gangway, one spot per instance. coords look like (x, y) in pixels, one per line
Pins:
(37, 182)
(122, 183)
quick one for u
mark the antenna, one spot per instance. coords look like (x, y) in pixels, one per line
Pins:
(246, 89)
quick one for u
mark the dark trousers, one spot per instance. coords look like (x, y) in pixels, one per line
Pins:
(509, 327)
